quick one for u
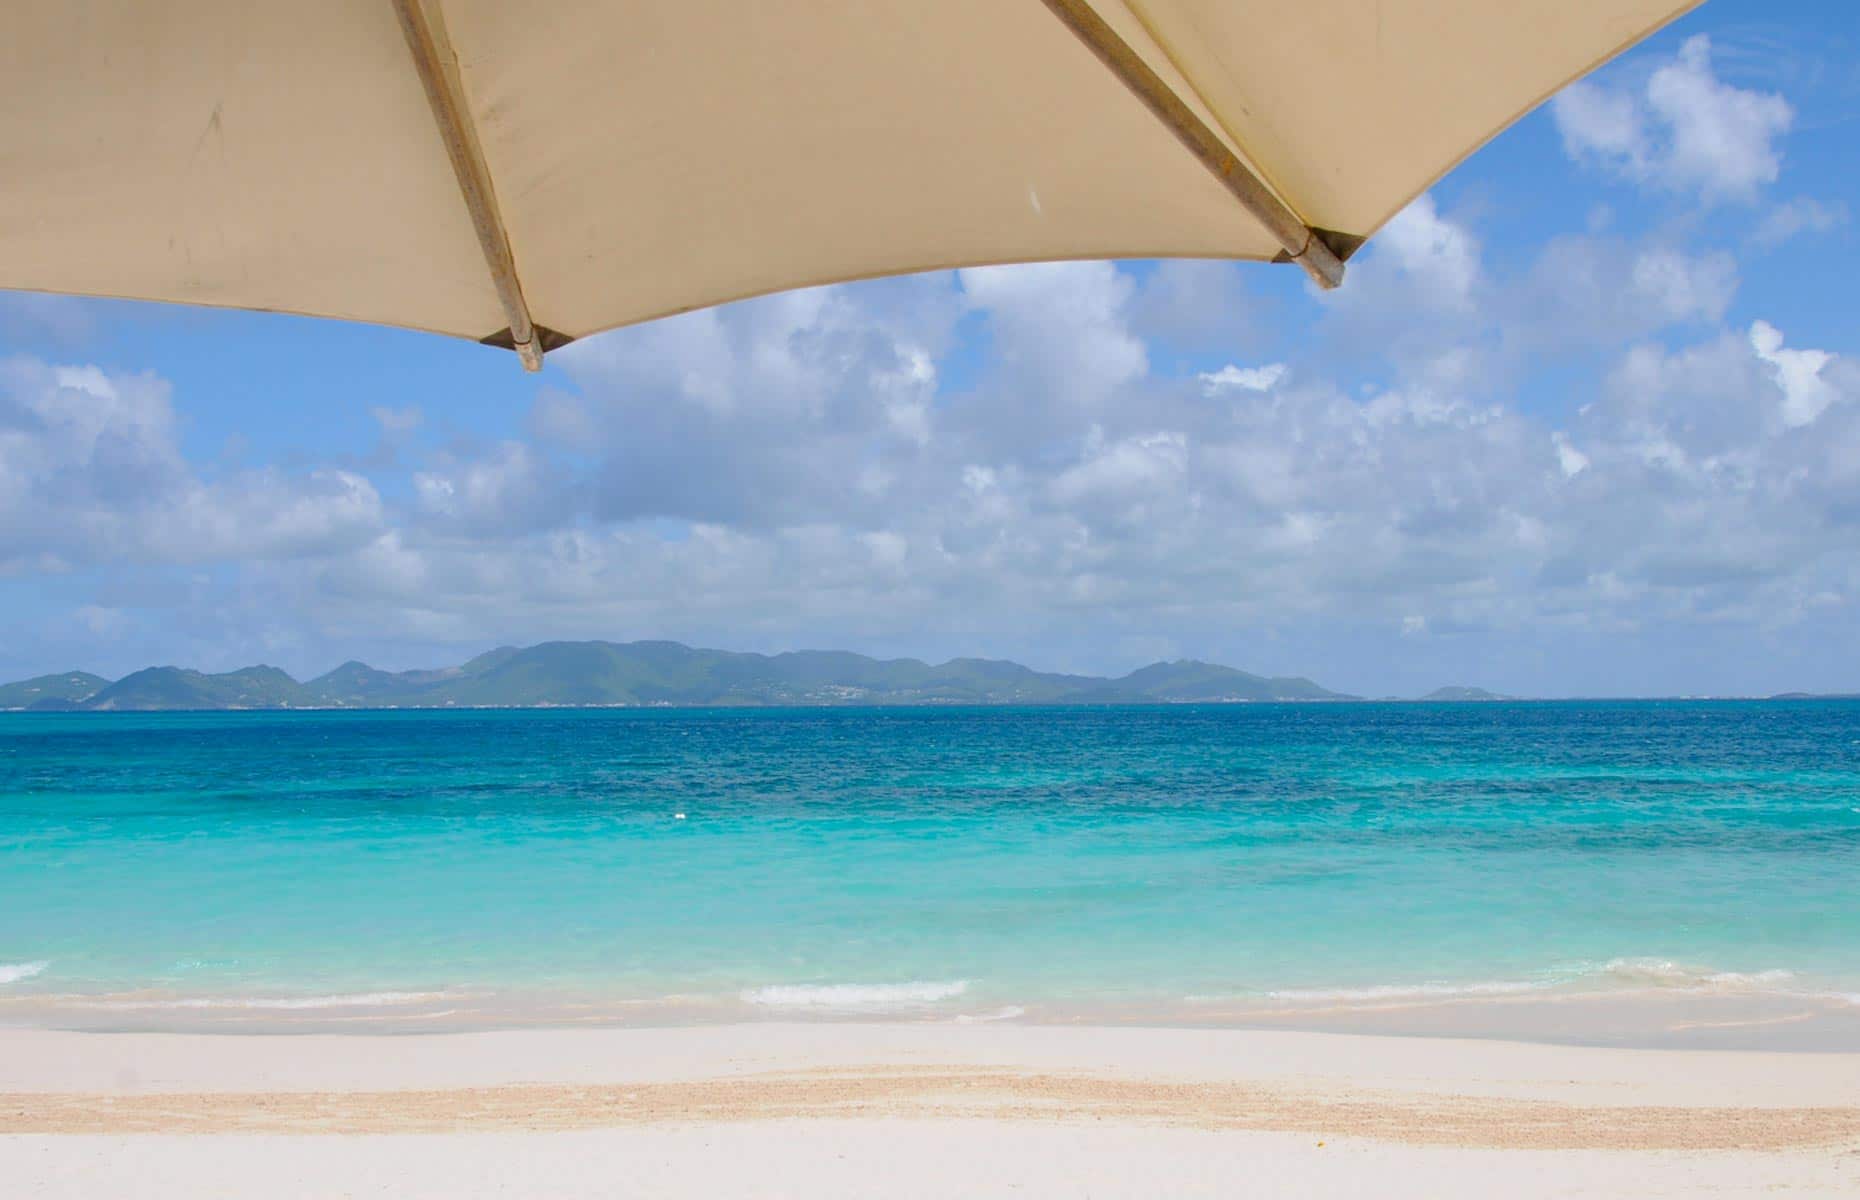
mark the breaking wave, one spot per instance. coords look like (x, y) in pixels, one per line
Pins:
(17, 972)
(1648, 974)
(1666, 973)
(1413, 991)
(856, 997)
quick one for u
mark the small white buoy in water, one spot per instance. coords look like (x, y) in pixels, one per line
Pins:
(678, 816)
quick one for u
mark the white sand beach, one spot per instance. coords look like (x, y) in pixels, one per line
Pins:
(912, 1109)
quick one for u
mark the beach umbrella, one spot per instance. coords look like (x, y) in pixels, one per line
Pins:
(525, 174)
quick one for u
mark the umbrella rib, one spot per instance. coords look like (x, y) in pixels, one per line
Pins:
(422, 23)
(1301, 242)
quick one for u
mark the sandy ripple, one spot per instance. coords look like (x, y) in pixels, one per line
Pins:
(965, 1092)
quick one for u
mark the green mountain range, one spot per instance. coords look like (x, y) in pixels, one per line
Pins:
(652, 673)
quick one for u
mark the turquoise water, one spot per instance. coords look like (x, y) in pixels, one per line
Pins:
(964, 862)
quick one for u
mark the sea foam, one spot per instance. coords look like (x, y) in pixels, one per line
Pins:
(1665, 973)
(1410, 991)
(16, 972)
(1629, 974)
(857, 997)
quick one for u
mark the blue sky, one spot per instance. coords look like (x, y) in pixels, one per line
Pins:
(1584, 420)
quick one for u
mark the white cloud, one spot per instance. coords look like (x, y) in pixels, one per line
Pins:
(1200, 307)
(1683, 129)
(1684, 491)
(1122, 473)
(1440, 257)
(1422, 298)
(1597, 290)
(1419, 293)
(509, 489)
(1061, 328)
(791, 408)
(1806, 395)
(1246, 379)
(1804, 214)
(265, 514)
(397, 422)
(1678, 287)
(1722, 137)
(91, 472)
(1570, 459)
(1602, 123)
(100, 622)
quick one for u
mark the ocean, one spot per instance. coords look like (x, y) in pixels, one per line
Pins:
(1167, 864)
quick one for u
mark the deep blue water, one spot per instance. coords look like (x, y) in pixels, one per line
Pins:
(937, 860)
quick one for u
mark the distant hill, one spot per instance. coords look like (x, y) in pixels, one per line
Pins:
(51, 691)
(668, 673)
(1463, 693)
(1186, 680)
(157, 688)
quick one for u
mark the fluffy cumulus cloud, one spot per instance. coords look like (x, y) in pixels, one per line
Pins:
(1246, 379)
(801, 407)
(1420, 295)
(1798, 373)
(1680, 127)
(1592, 289)
(1713, 477)
(91, 472)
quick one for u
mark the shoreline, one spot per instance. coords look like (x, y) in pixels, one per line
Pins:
(1736, 1020)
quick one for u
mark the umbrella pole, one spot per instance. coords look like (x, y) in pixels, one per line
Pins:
(1301, 242)
(421, 21)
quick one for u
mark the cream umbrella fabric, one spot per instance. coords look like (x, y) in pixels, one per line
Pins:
(485, 168)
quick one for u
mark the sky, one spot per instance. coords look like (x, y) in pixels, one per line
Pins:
(1584, 420)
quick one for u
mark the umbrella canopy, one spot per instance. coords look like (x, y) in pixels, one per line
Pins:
(527, 174)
